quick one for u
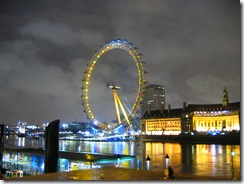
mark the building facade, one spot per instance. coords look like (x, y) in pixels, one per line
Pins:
(192, 118)
(211, 118)
(162, 122)
(154, 98)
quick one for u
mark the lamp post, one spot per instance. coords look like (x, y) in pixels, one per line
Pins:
(232, 162)
(138, 163)
(118, 161)
(17, 161)
(30, 164)
(148, 162)
(167, 161)
(36, 166)
(91, 163)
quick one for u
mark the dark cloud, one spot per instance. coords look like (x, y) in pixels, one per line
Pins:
(192, 47)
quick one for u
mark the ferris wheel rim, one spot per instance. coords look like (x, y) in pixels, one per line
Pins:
(141, 81)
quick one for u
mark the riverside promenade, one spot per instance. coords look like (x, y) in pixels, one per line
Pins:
(116, 174)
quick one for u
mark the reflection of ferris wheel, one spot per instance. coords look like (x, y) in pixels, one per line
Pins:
(113, 83)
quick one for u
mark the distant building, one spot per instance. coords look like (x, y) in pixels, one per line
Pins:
(212, 117)
(162, 122)
(76, 127)
(154, 98)
(206, 118)
(225, 101)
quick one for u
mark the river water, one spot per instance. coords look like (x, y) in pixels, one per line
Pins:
(193, 159)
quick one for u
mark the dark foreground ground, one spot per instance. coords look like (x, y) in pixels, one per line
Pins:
(115, 174)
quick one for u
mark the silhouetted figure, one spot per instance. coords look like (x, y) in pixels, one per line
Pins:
(171, 172)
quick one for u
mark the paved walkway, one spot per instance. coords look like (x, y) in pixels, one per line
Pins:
(113, 174)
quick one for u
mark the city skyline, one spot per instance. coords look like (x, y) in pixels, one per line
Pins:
(192, 48)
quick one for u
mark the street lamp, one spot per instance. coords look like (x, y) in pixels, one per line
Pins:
(167, 160)
(17, 161)
(232, 162)
(138, 163)
(118, 162)
(148, 162)
(30, 164)
(36, 166)
(91, 162)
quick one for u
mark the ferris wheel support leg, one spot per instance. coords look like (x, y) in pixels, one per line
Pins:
(116, 107)
(122, 108)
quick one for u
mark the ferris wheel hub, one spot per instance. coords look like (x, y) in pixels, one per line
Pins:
(113, 87)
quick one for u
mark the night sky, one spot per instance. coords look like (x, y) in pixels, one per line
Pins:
(192, 47)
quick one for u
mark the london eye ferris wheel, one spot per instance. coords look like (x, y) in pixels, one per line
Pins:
(113, 83)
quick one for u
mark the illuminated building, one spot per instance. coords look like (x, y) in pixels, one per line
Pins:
(205, 118)
(21, 128)
(76, 127)
(154, 98)
(162, 122)
(211, 118)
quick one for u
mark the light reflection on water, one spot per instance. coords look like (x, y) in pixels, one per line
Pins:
(124, 148)
(193, 159)
(24, 142)
(196, 159)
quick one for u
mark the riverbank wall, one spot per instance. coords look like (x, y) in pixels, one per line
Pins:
(194, 139)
